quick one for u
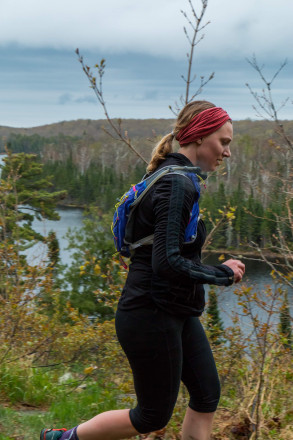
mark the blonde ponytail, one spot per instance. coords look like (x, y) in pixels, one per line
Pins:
(161, 150)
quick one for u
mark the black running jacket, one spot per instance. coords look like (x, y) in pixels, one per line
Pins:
(169, 274)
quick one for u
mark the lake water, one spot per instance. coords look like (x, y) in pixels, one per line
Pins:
(69, 218)
(257, 276)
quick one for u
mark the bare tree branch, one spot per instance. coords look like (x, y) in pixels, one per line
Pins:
(98, 89)
(265, 102)
(196, 26)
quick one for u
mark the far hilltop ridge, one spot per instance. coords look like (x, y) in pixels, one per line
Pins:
(137, 128)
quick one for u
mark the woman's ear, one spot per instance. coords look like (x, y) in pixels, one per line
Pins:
(199, 141)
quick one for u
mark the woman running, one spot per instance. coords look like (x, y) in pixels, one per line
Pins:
(157, 320)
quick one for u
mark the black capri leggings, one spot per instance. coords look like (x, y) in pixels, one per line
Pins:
(163, 349)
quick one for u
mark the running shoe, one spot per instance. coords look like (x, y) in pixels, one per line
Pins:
(52, 434)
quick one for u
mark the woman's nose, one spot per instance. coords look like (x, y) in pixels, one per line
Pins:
(227, 152)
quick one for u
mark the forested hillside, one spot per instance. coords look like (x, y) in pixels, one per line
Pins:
(255, 152)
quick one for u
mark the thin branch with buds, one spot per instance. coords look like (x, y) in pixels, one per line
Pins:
(196, 26)
(265, 104)
(97, 87)
(272, 265)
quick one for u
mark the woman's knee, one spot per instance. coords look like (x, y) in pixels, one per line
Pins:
(149, 420)
(208, 402)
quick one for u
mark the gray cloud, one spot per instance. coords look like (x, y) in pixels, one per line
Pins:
(148, 26)
(151, 95)
(145, 50)
(86, 99)
(46, 86)
(65, 98)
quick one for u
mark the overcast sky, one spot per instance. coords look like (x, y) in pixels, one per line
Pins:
(145, 49)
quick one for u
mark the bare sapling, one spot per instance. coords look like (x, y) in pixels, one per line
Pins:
(196, 36)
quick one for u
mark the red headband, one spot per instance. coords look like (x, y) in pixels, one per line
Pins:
(206, 122)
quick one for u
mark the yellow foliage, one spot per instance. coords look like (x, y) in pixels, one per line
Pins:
(230, 216)
(89, 370)
(97, 269)
(35, 323)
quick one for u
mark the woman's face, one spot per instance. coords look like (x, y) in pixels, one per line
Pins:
(212, 149)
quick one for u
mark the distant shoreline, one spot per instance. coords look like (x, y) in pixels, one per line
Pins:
(246, 254)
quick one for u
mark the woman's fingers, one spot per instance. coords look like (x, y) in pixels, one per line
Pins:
(238, 268)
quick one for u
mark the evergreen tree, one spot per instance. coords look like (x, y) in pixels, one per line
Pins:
(53, 248)
(221, 199)
(285, 323)
(220, 203)
(257, 235)
(25, 198)
(238, 200)
(93, 277)
(97, 185)
(215, 324)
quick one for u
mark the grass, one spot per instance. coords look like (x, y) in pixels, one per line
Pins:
(30, 385)
(33, 399)
(21, 425)
(79, 407)
(37, 400)
(68, 411)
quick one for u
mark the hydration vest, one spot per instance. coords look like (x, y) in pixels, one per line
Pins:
(123, 219)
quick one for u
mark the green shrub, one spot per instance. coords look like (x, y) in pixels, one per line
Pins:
(23, 384)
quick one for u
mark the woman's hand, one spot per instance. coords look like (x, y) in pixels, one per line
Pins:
(238, 268)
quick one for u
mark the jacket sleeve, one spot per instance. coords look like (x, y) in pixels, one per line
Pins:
(173, 199)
